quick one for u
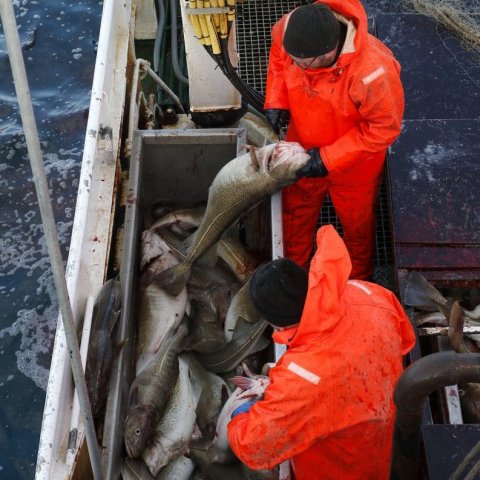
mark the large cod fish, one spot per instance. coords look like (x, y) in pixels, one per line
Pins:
(240, 185)
(149, 393)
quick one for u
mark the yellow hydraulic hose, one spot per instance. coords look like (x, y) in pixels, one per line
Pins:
(208, 28)
(231, 12)
(213, 35)
(203, 24)
(216, 16)
(197, 29)
(223, 21)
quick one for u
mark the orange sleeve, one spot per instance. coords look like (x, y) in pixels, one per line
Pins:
(276, 95)
(380, 99)
(277, 428)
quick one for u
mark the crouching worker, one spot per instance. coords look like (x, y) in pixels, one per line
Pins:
(329, 406)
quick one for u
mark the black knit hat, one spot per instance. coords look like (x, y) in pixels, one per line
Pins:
(312, 31)
(278, 290)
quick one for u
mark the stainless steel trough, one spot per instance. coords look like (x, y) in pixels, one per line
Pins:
(176, 166)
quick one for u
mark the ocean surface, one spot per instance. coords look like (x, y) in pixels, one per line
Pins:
(59, 41)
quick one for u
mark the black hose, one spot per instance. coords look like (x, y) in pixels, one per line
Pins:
(255, 98)
(174, 42)
(419, 380)
(158, 37)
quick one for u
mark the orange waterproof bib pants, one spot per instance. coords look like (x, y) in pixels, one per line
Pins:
(355, 208)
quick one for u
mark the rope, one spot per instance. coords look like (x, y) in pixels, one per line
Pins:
(455, 16)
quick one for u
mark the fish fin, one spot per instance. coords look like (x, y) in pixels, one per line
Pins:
(224, 394)
(143, 360)
(174, 279)
(455, 331)
(241, 382)
(419, 292)
(146, 278)
(118, 347)
(247, 370)
(435, 318)
(209, 258)
(242, 327)
(473, 314)
(196, 392)
(187, 243)
(133, 395)
(115, 317)
(254, 159)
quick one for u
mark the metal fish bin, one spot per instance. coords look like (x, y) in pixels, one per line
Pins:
(177, 167)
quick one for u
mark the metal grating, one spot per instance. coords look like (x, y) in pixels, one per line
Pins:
(383, 241)
(383, 273)
(254, 21)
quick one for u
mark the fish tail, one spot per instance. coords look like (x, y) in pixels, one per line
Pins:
(419, 292)
(174, 279)
(455, 332)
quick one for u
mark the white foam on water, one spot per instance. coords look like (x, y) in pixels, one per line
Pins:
(23, 252)
(36, 331)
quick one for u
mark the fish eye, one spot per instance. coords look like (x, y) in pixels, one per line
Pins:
(137, 431)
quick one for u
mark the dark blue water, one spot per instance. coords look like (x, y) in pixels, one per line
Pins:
(59, 45)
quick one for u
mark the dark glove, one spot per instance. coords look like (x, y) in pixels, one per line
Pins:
(314, 167)
(277, 118)
(243, 408)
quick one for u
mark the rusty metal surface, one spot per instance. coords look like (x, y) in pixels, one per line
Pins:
(434, 184)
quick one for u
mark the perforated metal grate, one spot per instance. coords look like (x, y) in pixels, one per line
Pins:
(383, 241)
(255, 19)
(383, 273)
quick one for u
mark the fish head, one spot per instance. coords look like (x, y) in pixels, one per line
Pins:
(286, 160)
(139, 427)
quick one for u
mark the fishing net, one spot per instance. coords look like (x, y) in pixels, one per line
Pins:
(461, 18)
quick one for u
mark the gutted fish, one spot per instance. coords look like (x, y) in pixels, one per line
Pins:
(175, 429)
(247, 389)
(240, 185)
(102, 348)
(149, 393)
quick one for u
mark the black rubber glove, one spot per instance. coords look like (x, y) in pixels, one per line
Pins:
(314, 167)
(277, 118)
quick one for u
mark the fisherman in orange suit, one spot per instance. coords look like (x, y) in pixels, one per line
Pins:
(329, 405)
(338, 88)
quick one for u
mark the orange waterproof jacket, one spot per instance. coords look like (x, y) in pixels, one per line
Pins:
(352, 110)
(329, 407)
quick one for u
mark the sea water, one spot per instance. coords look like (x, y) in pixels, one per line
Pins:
(59, 42)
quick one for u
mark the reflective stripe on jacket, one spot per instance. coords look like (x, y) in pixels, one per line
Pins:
(353, 109)
(329, 407)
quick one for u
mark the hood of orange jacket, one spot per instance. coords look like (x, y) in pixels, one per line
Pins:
(328, 275)
(324, 306)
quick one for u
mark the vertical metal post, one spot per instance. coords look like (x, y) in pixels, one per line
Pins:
(12, 39)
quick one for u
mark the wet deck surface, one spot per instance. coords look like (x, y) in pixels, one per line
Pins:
(434, 166)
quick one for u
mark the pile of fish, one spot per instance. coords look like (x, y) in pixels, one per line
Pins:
(451, 318)
(198, 334)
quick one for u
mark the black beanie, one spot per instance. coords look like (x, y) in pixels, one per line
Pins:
(278, 290)
(312, 31)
